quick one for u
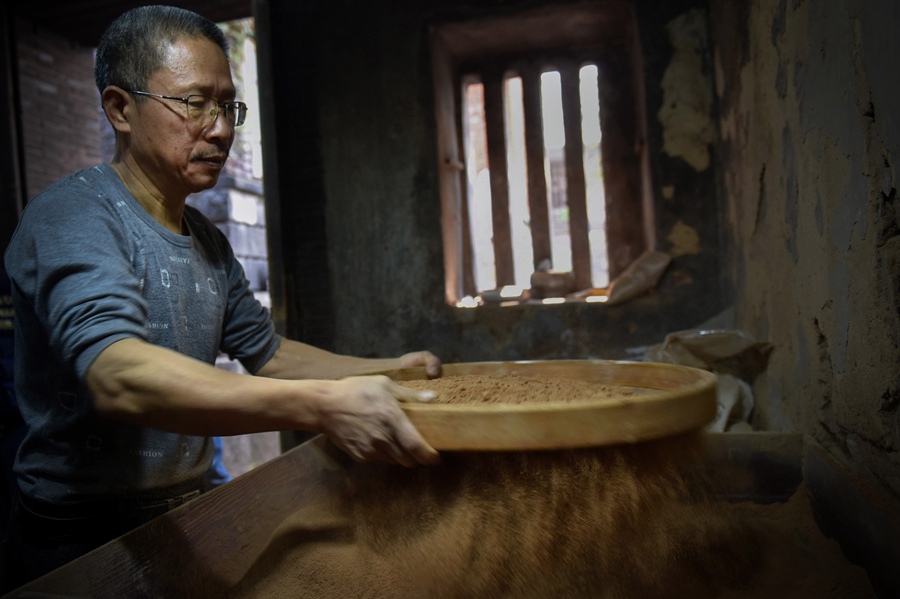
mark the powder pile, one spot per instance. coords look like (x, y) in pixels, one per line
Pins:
(627, 521)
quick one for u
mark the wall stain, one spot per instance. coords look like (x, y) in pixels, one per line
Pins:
(686, 112)
(684, 240)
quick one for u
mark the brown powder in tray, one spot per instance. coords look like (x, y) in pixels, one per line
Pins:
(516, 389)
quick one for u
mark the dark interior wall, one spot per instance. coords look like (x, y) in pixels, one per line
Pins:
(359, 208)
(810, 123)
(301, 298)
(11, 197)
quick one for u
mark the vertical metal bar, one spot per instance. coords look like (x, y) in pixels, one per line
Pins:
(496, 142)
(575, 185)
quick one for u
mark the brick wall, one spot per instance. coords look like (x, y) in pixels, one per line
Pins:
(60, 116)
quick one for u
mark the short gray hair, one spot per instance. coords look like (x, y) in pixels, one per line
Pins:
(135, 45)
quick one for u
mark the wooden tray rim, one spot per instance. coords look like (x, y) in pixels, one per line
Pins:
(696, 381)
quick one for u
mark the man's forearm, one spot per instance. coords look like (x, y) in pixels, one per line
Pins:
(295, 360)
(147, 385)
(150, 386)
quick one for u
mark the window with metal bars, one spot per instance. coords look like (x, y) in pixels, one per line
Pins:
(543, 168)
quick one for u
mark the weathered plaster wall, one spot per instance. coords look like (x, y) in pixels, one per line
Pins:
(353, 98)
(810, 126)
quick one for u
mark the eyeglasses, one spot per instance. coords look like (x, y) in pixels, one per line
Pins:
(205, 110)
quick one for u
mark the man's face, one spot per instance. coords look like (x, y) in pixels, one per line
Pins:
(178, 154)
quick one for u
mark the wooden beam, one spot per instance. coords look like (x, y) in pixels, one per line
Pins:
(451, 173)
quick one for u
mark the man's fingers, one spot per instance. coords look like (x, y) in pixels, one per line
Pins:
(377, 428)
(405, 447)
(410, 439)
(394, 453)
(433, 368)
(426, 359)
(414, 444)
(412, 395)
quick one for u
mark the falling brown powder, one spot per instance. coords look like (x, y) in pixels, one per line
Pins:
(629, 521)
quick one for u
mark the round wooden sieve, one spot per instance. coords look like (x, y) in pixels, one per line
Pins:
(659, 400)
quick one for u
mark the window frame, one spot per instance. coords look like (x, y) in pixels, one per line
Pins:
(492, 47)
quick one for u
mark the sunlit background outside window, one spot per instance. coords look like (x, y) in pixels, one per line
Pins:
(479, 188)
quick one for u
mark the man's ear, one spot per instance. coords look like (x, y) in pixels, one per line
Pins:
(118, 105)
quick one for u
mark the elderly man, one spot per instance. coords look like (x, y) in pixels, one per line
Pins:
(123, 298)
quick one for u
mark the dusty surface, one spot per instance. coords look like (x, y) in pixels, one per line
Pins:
(797, 559)
(604, 523)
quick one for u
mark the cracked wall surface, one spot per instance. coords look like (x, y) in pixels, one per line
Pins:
(809, 117)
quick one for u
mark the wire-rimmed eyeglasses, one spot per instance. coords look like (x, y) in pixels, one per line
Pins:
(205, 110)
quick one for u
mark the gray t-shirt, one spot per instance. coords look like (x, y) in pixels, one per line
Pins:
(90, 267)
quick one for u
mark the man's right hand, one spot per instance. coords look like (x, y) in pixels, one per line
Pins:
(363, 418)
